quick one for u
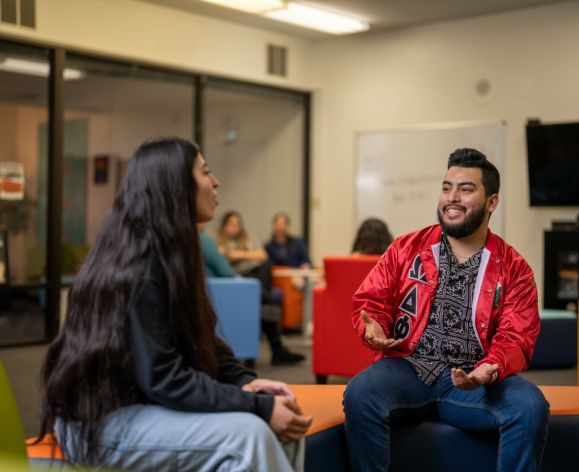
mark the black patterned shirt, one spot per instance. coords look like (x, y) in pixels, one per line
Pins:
(449, 339)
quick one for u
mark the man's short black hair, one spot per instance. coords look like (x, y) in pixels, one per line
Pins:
(467, 157)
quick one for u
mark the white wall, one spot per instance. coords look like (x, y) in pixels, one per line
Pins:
(144, 32)
(427, 75)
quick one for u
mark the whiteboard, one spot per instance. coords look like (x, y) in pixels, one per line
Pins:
(400, 171)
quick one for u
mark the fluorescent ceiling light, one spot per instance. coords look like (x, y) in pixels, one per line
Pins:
(40, 69)
(315, 18)
(250, 6)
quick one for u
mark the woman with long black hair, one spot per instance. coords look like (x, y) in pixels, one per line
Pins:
(137, 379)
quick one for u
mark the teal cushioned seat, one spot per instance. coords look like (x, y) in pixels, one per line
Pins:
(557, 342)
(548, 313)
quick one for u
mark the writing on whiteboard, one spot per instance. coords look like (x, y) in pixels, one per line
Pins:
(400, 172)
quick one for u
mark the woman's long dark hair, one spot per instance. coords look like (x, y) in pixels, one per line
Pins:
(373, 237)
(87, 368)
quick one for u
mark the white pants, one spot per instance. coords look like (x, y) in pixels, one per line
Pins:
(154, 438)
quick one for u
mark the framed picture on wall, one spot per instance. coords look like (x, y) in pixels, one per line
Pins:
(101, 169)
(4, 272)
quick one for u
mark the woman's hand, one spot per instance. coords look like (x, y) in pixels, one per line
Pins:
(240, 254)
(235, 255)
(269, 386)
(287, 420)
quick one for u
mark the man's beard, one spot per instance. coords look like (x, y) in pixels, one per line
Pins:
(470, 224)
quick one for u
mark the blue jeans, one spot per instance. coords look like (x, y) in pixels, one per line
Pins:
(154, 438)
(389, 393)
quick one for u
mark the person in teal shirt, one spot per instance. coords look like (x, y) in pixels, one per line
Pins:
(216, 265)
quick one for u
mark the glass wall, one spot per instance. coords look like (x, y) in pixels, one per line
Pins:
(254, 143)
(108, 112)
(253, 138)
(23, 183)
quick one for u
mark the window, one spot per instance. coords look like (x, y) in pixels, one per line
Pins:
(254, 143)
(110, 109)
(23, 183)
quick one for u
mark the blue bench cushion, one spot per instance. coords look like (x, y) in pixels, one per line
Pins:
(548, 313)
(556, 345)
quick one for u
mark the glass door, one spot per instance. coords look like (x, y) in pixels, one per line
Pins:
(23, 183)
(109, 111)
(254, 141)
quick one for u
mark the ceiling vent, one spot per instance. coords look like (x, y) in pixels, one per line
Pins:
(277, 60)
(18, 12)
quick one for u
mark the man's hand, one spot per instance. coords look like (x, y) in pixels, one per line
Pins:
(287, 420)
(375, 334)
(269, 386)
(482, 375)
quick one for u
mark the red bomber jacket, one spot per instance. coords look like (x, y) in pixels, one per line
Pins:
(399, 291)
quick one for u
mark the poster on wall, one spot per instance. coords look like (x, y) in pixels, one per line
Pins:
(101, 169)
(11, 181)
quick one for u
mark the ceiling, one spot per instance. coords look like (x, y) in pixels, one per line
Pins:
(380, 14)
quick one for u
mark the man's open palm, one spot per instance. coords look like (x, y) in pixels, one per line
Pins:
(375, 334)
(482, 375)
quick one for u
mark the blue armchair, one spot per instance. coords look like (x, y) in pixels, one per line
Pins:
(237, 303)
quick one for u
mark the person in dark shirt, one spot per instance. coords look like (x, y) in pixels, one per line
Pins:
(217, 265)
(137, 379)
(248, 258)
(284, 249)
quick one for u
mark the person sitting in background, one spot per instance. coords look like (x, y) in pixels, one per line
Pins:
(216, 264)
(250, 260)
(244, 251)
(137, 378)
(373, 237)
(284, 249)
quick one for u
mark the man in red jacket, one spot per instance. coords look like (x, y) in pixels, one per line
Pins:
(451, 313)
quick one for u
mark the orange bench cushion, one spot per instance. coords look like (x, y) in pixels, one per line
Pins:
(324, 402)
(563, 400)
(47, 448)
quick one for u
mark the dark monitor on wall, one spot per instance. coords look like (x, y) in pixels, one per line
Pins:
(553, 160)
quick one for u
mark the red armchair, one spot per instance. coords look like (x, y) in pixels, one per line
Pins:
(337, 350)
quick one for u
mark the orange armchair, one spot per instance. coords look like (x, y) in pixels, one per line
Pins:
(337, 350)
(292, 302)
